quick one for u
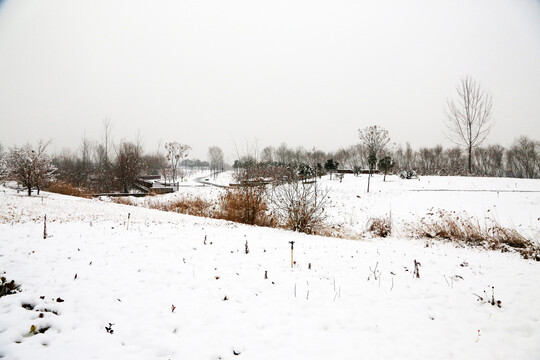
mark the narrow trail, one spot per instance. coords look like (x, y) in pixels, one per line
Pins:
(204, 181)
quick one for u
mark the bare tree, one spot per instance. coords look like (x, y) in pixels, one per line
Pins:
(31, 166)
(267, 155)
(107, 129)
(129, 165)
(523, 158)
(301, 205)
(175, 153)
(489, 160)
(376, 140)
(468, 119)
(3, 164)
(215, 158)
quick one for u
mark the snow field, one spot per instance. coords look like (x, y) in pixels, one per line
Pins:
(336, 309)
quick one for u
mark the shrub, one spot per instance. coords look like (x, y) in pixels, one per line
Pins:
(380, 227)
(300, 205)
(245, 204)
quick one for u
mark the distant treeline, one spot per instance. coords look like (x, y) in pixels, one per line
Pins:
(520, 160)
(106, 167)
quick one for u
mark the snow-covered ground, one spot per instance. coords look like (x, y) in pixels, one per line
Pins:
(343, 299)
(512, 203)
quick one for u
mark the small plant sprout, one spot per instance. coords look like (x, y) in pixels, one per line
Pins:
(45, 226)
(204, 240)
(109, 328)
(265, 274)
(127, 227)
(478, 336)
(173, 308)
(247, 247)
(292, 250)
(491, 301)
(416, 272)
(376, 273)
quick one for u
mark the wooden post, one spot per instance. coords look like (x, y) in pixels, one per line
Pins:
(45, 227)
(292, 248)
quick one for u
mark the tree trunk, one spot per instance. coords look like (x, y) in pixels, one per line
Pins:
(470, 159)
(29, 190)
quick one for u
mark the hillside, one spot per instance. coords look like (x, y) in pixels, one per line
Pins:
(181, 287)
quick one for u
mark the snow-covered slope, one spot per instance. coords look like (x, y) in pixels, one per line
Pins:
(342, 299)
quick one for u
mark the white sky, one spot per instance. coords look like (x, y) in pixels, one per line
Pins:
(308, 73)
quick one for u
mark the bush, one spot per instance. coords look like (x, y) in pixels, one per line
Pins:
(245, 204)
(300, 205)
(380, 227)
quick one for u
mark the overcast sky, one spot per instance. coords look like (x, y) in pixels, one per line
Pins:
(305, 72)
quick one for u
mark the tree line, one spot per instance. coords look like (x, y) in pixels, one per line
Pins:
(104, 166)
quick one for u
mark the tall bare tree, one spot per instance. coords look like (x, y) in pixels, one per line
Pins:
(175, 153)
(376, 139)
(468, 119)
(215, 158)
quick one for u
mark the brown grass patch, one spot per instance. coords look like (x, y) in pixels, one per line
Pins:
(189, 205)
(380, 226)
(245, 205)
(64, 188)
(460, 227)
(124, 200)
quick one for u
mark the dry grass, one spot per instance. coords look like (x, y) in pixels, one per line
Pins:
(123, 200)
(189, 205)
(245, 205)
(380, 226)
(64, 188)
(465, 229)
